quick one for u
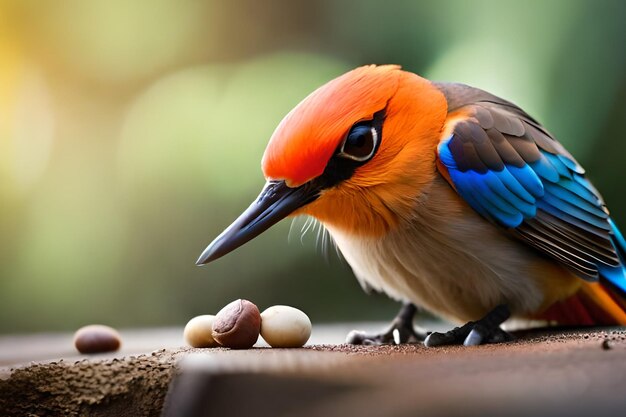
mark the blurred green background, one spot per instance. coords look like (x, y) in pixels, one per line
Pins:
(131, 134)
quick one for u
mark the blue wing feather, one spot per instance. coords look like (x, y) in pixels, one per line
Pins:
(579, 190)
(531, 186)
(617, 276)
(573, 165)
(560, 192)
(528, 179)
(560, 195)
(558, 165)
(497, 185)
(544, 169)
(572, 210)
(513, 185)
(510, 194)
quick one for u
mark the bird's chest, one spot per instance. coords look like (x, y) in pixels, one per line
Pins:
(453, 263)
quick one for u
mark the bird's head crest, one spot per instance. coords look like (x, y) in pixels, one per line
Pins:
(306, 139)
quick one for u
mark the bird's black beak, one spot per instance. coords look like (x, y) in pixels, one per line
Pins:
(275, 202)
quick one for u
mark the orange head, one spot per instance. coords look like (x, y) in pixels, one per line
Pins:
(355, 154)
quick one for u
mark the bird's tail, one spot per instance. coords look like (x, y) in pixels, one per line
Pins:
(616, 277)
(597, 303)
(594, 304)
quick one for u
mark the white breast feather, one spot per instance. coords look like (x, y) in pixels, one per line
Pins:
(453, 263)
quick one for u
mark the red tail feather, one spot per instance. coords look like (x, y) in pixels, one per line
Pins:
(593, 304)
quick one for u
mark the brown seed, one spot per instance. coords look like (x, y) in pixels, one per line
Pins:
(97, 338)
(237, 325)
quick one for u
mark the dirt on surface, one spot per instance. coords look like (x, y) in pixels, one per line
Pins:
(555, 373)
(133, 386)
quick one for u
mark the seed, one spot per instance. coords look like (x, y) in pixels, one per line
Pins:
(607, 345)
(198, 332)
(237, 325)
(285, 327)
(97, 338)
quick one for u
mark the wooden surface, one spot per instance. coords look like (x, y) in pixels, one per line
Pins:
(556, 373)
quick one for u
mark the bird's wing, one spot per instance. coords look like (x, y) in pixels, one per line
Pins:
(515, 174)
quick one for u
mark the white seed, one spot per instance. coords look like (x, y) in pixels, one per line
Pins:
(285, 327)
(198, 332)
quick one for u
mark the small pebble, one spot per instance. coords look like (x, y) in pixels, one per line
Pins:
(607, 345)
(97, 338)
(198, 332)
(285, 327)
(237, 325)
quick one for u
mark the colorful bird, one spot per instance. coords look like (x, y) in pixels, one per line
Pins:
(446, 198)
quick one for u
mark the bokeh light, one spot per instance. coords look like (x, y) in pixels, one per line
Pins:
(131, 134)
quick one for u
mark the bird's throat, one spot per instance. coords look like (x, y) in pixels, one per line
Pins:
(364, 213)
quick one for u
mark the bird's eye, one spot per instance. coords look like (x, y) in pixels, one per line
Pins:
(360, 144)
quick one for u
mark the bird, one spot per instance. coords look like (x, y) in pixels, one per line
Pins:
(447, 199)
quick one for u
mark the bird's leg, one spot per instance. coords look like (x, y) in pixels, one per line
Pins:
(473, 333)
(400, 331)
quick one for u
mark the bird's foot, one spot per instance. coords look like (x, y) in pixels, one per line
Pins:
(474, 333)
(400, 331)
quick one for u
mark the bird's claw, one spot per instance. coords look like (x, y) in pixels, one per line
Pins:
(468, 337)
(474, 333)
(400, 331)
(357, 337)
(393, 336)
